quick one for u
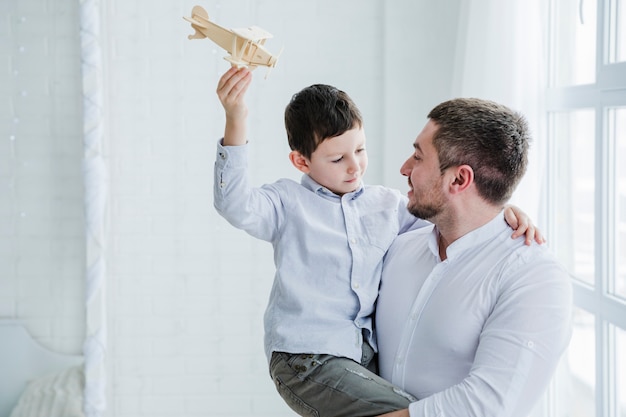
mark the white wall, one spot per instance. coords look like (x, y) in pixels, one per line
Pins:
(186, 292)
(419, 57)
(41, 213)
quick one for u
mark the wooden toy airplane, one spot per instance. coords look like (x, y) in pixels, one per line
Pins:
(245, 46)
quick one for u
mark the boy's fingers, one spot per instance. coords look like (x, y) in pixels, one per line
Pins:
(230, 78)
(539, 237)
(225, 77)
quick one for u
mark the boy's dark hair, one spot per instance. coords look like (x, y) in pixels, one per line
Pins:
(489, 137)
(317, 113)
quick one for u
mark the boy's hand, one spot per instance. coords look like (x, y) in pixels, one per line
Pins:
(231, 90)
(521, 223)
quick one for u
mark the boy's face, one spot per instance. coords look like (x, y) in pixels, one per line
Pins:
(339, 163)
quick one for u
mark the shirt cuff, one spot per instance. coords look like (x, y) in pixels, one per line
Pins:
(231, 156)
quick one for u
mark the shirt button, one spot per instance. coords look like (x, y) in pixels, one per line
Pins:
(222, 155)
(355, 285)
(222, 184)
(353, 240)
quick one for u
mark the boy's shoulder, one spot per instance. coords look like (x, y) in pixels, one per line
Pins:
(381, 191)
(283, 186)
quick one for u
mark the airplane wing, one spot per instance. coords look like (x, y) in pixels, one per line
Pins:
(252, 33)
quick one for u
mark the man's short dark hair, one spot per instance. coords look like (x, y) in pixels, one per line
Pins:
(489, 137)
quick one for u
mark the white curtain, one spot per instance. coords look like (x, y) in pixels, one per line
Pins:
(96, 202)
(501, 55)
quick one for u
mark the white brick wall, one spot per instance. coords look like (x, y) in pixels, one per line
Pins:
(41, 216)
(186, 291)
(187, 288)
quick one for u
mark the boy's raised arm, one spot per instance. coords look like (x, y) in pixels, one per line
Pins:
(231, 90)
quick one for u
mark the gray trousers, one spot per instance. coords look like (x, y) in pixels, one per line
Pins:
(330, 386)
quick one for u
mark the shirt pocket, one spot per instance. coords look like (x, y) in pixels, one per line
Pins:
(380, 228)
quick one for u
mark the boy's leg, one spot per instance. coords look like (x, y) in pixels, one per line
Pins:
(330, 386)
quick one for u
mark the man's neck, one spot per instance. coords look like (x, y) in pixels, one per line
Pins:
(459, 222)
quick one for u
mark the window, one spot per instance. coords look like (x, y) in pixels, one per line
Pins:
(586, 196)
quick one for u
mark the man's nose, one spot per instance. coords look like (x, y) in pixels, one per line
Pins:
(405, 169)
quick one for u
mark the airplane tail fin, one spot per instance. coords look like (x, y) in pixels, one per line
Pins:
(199, 11)
(198, 15)
(197, 34)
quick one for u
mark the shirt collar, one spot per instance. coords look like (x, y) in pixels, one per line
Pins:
(318, 189)
(488, 231)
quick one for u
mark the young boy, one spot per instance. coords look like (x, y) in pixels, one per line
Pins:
(329, 233)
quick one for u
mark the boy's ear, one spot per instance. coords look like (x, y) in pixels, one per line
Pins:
(299, 161)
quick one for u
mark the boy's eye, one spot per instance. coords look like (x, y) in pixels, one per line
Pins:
(360, 150)
(337, 160)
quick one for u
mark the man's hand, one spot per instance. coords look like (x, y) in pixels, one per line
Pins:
(399, 413)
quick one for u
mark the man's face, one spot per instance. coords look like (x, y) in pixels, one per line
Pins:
(339, 163)
(426, 194)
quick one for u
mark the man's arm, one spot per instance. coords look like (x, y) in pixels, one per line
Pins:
(519, 348)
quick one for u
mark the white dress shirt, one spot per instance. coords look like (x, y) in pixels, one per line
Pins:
(478, 334)
(328, 252)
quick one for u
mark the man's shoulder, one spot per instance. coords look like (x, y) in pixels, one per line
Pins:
(536, 262)
(532, 253)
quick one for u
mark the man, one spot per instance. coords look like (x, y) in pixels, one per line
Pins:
(470, 321)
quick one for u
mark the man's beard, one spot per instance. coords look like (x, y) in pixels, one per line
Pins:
(425, 211)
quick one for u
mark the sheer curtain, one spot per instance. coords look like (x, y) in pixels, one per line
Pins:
(501, 55)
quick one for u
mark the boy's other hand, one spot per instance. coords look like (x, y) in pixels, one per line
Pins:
(523, 226)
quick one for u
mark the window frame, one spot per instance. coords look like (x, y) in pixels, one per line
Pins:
(607, 93)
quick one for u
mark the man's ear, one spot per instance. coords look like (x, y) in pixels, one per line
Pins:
(463, 178)
(299, 161)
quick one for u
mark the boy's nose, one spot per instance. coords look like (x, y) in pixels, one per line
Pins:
(353, 166)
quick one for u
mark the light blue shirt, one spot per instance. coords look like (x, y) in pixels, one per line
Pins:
(328, 253)
(479, 334)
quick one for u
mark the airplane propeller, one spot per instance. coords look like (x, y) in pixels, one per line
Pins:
(269, 69)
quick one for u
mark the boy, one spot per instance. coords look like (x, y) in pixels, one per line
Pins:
(329, 234)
